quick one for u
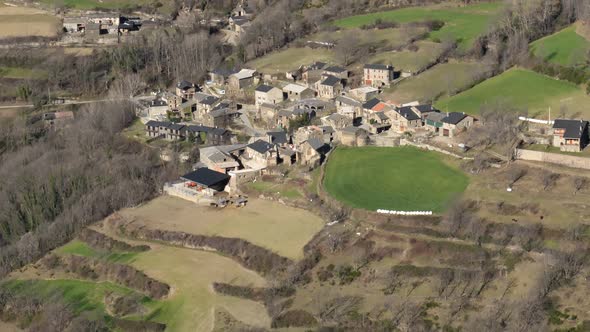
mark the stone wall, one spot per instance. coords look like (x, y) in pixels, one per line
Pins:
(554, 158)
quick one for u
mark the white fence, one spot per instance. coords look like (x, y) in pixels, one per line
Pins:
(547, 122)
(405, 213)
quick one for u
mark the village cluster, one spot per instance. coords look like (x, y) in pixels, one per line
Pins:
(298, 120)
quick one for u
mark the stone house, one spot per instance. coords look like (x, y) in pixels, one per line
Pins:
(336, 71)
(242, 79)
(570, 135)
(377, 75)
(379, 122)
(186, 89)
(295, 92)
(364, 93)
(282, 118)
(156, 128)
(454, 123)
(313, 72)
(305, 133)
(405, 119)
(329, 87)
(220, 117)
(260, 154)
(337, 121)
(348, 107)
(312, 152)
(220, 76)
(353, 136)
(157, 107)
(266, 94)
(220, 158)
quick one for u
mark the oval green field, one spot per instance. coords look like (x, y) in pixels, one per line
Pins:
(401, 178)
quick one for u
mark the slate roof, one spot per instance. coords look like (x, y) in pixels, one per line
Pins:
(301, 111)
(209, 100)
(206, 177)
(407, 113)
(224, 71)
(184, 85)
(261, 146)
(331, 80)
(371, 103)
(315, 143)
(153, 123)
(327, 129)
(278, 137)
(222, 112)
(205, 129)
(573, 128)
(264, 88)
(425, 108)
(382, 116)
(176, 126)
(377, 66)
(454, 118)
(348, 101)
(335, 69)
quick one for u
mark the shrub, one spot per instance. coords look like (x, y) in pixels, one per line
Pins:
(294, 318)
(347, 274)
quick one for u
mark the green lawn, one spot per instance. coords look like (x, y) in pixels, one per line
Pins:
(566, 47)
(440, 80)
(402, 178)
(409, 61)
(80, 248)
(523, 89)
(464, 24)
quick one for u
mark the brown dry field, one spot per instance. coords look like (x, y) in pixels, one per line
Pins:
(26, 22)
(282, 229)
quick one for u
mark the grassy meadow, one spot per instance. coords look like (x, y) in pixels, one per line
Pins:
(403, 178)
(438, 81)
(463, 24)
(522, 89)
(565, 47)
(410, 61)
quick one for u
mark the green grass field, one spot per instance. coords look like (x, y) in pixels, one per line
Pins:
(402, 178)
(80, 248)
(435, 82)
(566, 47)
(409, 61)
(523, 89)
(464, 24)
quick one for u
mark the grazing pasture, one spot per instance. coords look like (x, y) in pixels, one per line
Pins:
(523, 89)
(402, 178)
(410, 61)
(463, 24)
(440, 80)
(565, 47)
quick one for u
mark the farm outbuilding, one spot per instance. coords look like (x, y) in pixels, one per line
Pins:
(206, 181)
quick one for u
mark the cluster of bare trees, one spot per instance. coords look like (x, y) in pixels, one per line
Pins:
(55, 185)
